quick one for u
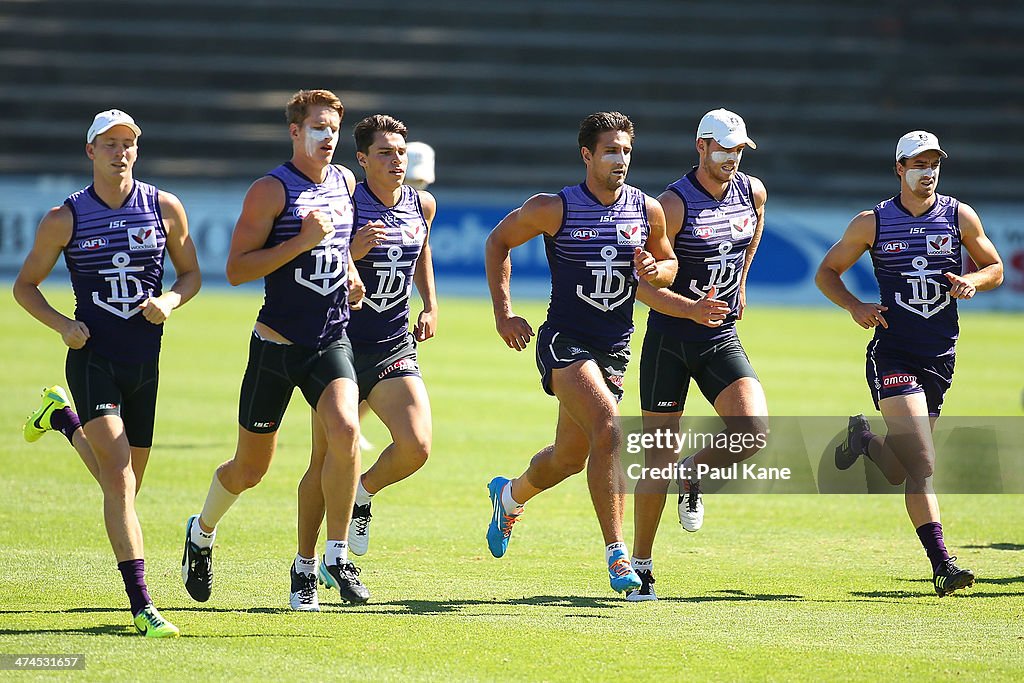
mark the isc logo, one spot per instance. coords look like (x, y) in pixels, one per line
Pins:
(116, 224)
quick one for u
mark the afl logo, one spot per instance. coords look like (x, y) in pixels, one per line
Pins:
(894, 247)
(705, 232)
(94, 243)
(584, 234)
(301, 211)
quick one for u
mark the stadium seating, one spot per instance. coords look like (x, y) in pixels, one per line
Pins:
(499, 88)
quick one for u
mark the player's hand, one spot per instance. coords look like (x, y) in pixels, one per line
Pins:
(356, 290)
(962, 289)
(366, 238)
(869, 315)
(316, 227)
(515, 331)
(426, 326)
(646, 265)
(75, 334)
(708, 310)
(156, 309)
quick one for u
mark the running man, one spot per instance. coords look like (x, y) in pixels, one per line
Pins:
(390, 251)
(602, 237)
(714, 216)
(114, 235)
(294, 233)
(915, 242)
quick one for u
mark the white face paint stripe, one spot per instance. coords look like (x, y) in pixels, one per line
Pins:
(315, 137)
(722, 157)
(618, 158)
(915, 175)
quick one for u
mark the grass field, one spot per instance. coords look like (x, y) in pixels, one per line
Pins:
(783, 587)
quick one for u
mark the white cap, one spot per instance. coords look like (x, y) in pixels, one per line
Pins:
(106, 120)
(726, 128)
(915, 142)
(420, 171)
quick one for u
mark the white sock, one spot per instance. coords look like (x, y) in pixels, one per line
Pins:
(200, 537)
(305, 565)
(689, 468)
(612, 548)
(640, 564)
(508, 502)
(337, 552)
(362, 495)
(218, 501)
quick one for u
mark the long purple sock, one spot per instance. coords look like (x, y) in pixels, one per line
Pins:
(65, 421)
(930, 534)
(134, 574)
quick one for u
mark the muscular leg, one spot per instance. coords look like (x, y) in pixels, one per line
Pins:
(649, 498)
(311, 492)
(743, 408)
(909, 439)
(117, 480)
(402, 405)
(252, 459)
(338, 410)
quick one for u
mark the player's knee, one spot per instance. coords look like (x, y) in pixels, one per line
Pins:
(921, 470)
(605, 437)
(119, 480)
(248, 476)
(572, 467)
(341, 431)
(415, 451)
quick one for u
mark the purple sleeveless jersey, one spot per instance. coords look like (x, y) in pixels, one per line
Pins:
(306, 299)
(116, 261)
(593, 282)
(911, 256)
(387, 269)
(711, 247)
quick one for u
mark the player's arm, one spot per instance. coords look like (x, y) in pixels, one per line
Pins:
(423, 275)
(248, 258)
(656, 263)
(182, 251)
(356, 287)
(760, 193)
(855, 241)
(52, 236)
(707, 310)
(541, 214)
(989, 274)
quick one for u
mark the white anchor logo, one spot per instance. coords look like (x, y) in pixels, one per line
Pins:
(125, 289)
(392, 285)
(329, 272)
(609, 284)
(722, 272)
(925, 293)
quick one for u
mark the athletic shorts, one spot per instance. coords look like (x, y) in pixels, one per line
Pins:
(667, 365)
(555, 350)
(275, 370)
(105, 387)
(897, 373)
(375, 366)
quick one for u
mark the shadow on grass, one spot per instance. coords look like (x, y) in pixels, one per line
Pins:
(997, 546)
(169, 610)
(963, 593)
(993, 580)
(100, 630)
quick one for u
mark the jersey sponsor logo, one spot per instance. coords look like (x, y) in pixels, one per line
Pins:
(329, 270)
(667, 404)
(584, 234)
(92, 243)
(629, 235)
(898, 380)
(412, 234)
(742, 227)
(393, 287)
(723, 272)
(611, 289)
(401, 365)
(613, 378)
(895, 247)
(939, 245)
(263, 425)
(704, 232)
(126, 292)
(927, 296)
(106, 406)
(142, 238)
